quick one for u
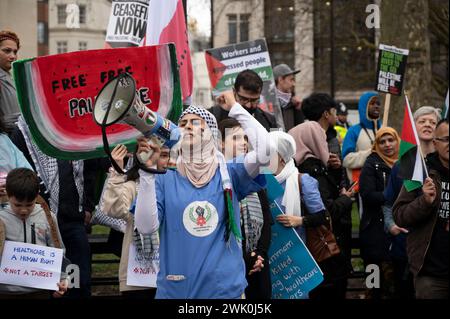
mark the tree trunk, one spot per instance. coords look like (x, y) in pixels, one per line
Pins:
(404, 24)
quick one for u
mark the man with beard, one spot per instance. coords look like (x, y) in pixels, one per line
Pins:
(360, 137)
(247, 92)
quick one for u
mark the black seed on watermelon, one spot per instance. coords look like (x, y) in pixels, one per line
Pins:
(65, 70)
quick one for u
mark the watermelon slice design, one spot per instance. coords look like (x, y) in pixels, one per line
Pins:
(57, 94)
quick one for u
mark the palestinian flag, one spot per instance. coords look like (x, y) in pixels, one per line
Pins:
(57, 93)
(145, 22)
(412, 166)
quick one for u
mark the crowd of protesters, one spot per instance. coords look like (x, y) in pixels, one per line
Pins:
(326, 168)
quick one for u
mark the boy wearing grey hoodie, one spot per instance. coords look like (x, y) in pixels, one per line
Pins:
(24, 221)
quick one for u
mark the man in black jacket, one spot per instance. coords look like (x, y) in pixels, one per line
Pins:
(291, 105)
(247, 92)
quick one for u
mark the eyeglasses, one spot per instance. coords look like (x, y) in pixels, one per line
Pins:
(443, 139)
(245, 100)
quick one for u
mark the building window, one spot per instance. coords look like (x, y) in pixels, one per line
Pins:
(243, 27)
(279, 26)
(61, 14)
(61, 46)
(82, 45)
(238, 25)
(82, 13)
(42, 34)
(351, 60)
(232, 28)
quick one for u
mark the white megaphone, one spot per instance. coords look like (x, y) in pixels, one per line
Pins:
(117, 102)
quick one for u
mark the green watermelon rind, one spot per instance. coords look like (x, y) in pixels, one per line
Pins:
(177, 103)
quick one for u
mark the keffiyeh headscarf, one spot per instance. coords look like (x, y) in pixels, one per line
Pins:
(207, 116)
(201, 167)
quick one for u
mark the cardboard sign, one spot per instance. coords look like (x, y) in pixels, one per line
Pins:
(127, 23)
(30, 265)
(142, 273)
(57, 95)
(294, 272)
(391, 69)
(225, 63)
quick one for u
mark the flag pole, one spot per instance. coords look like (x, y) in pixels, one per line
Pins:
(419, 146)
(387, 104)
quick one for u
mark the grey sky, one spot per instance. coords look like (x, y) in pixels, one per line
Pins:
(200, 10)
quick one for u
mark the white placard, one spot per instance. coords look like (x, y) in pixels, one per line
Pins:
(30, 265)
(127, 21)
(142, 273)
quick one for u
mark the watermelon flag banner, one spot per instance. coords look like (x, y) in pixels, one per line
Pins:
(145, 22)
(225, 63)
(412, 165)
(57, 94)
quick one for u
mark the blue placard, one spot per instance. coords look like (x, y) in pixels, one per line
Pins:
(293, 270)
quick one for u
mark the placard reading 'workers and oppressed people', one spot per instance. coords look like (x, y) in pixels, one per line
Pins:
(294, 272)
(225, 63)
(391, 69)
(30, 265)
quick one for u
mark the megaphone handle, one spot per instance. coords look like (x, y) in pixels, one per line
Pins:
(144, 156)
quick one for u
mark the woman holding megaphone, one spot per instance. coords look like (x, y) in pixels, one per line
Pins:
(196, 207)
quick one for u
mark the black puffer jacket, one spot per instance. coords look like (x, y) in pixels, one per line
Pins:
(373, 180)
(339, 206)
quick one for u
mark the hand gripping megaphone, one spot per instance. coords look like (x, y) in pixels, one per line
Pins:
(117, 102)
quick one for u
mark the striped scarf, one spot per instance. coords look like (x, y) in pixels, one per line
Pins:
(253, 221)
(147, 246)
(47, 169)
